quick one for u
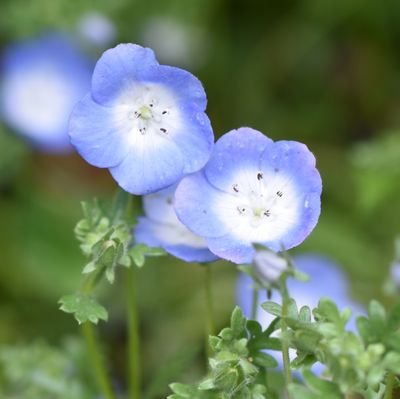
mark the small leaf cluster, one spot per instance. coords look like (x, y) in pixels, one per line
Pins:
(355, 363)
(238, 358)
(107, 242)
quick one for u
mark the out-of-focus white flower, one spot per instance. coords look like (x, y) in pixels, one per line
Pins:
(174, 42)
(97, 29)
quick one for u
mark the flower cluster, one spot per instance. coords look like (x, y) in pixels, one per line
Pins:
(146, 123)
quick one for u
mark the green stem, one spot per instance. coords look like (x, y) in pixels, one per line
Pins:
(254, 304)
(285, 347)
(389, 386)
(133, 335)
(97, 360)
(209, 304)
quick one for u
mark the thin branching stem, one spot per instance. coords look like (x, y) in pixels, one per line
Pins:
(97, 360)
(285, 347)
(254, 304)
(390, 380)
(133, 334)
(209, 303)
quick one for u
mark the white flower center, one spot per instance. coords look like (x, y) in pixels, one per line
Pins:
(260, 207)
(147, 109)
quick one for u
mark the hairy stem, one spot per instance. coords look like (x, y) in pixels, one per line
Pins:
(133, 335)
(254, 304)
(285, 347)
(97, 360)
(209, 304)
(390, 380)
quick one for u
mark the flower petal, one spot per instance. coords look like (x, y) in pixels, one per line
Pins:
(236, 151)
(153, 163)
(195, 201)
(232, 249)
(95, 133)
(186, 87)
(190, 254)
(172, 240)
(119, 68)
(195, 139)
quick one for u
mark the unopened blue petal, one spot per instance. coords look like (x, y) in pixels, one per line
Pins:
(229, 248)
(120, 68)
(96, 135)
(195, 206)
(151, 166)
(235, 151)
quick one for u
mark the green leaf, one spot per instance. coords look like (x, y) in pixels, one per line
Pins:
(183, 390)
(305, 314)
(254, 327)
(272, 308)
(264, 360)
(377, 312)
(300, 392)
(238, 322)
(84, 308)
(327, 389)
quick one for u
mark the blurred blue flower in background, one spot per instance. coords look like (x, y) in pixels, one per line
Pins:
(144, 121)
(42, 79)
(252, 191)
(97, 29)
(326, 280)
(161, 228)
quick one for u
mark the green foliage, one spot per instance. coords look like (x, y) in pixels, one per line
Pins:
(104, 241)
(107, 242)
(238, 358)
(38, 371)
(354, 363)
(83, 308)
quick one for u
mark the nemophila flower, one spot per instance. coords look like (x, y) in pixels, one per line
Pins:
(142, 120)
(326, 280)
(41, 81)
(161, 228)
(252, 190)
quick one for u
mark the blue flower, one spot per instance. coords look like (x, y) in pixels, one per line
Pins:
(252, 190)
(161, 228)
(142, 120)
(41, 81)
(326, 280)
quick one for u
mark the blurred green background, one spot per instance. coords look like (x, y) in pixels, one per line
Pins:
(326, 73)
